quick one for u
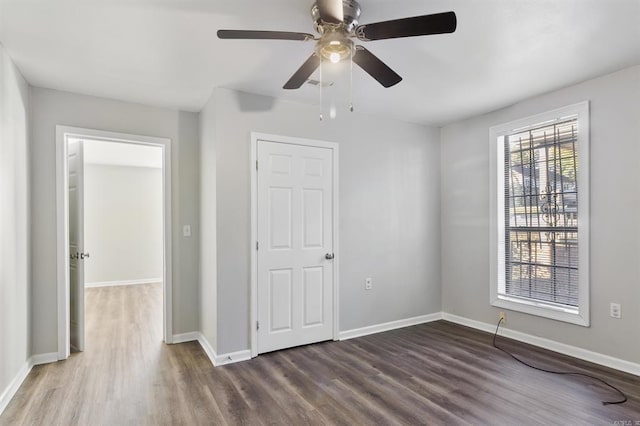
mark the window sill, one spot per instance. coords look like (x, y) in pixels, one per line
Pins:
(570, 315)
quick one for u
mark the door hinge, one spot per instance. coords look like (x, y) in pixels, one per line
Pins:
(257, 245)
(257, 325)
(256, 165)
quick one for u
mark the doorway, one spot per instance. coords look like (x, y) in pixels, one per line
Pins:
(71, 253)
(294, 293)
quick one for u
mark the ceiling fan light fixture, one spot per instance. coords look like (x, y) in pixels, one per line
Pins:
(334, 47)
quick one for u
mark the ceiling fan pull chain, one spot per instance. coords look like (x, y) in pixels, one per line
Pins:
(351, 81)
(321, 117)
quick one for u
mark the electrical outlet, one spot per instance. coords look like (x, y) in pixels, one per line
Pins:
(615, 311)
(502, 317)
(368, 284)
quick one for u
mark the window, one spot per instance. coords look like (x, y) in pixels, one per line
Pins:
(539, 215)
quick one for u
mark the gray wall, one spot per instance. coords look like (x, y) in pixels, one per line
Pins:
(123, 222)
(14, 224)
(389, 209)
(50, 108)
(614, 226)
(208, 272)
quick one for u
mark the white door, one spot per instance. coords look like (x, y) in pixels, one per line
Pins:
(76, 244)
(295, 236)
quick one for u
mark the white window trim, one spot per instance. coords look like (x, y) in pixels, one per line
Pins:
(580, 315)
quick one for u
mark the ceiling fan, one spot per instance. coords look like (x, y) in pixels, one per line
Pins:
(337, 23)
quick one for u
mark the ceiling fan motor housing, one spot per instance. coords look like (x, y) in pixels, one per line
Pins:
(350, 16)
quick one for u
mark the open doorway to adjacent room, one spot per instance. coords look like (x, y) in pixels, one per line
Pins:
(123, 237)
(113, 240)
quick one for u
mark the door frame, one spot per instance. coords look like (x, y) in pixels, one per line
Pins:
(253, 312)
(63, 133)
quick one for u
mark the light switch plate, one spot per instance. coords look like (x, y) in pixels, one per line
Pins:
(186, 230)
(615, 311)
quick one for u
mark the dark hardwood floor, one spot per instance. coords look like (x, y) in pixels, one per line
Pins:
(437, 373)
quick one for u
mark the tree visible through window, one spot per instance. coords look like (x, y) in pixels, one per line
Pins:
(541, 213)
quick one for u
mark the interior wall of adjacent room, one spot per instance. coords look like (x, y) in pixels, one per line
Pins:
(389, 219)
(123, 223)
(14, 221)
(614, 227)
(51, 108)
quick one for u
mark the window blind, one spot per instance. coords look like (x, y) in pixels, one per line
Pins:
(541, 213)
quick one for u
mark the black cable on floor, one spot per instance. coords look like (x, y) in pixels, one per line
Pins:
(622, 401)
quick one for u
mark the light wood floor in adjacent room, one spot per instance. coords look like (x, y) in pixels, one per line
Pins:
(437, 373)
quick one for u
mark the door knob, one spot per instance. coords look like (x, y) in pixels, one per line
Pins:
(84, 255)
(329, 256)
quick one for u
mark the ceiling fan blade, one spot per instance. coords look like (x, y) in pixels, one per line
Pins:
(331, 11)
(263, 35)
(438, 23)
(303, 73)
(375, 67)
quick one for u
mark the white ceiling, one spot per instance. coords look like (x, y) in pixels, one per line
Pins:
(166, 53)
(121, 154)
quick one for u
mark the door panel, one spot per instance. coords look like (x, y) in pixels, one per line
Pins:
(312, 216)
(280, 218)
(295, 231)
(76, 244)
(313, 279)
(281, 298)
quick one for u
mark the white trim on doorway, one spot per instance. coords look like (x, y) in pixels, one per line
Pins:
(253, 314)
(63, 133)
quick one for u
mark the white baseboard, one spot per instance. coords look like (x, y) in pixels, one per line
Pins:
(232, 357)
(387, 326)
(40, 359)
(216, 360)
(574, 351)
(123, 282)
(14, 385)
(207, 348)
(9, 392)
(185, 337)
